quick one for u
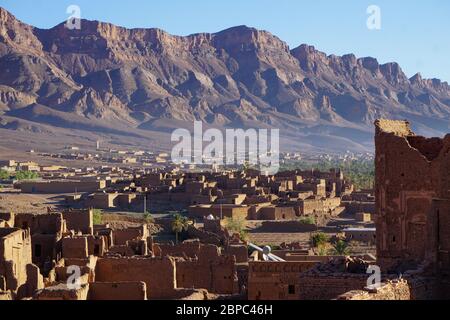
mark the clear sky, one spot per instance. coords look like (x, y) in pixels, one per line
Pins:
(416, 34)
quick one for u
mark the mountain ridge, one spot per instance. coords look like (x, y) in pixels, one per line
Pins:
(147, 80)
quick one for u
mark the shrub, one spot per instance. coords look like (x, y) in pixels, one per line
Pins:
(4, 175)
(322, 250)
(319, 239)
(341, 248)
(26, 175)
(147, 217)
(307, 220)
(97, 216)
(237, 226)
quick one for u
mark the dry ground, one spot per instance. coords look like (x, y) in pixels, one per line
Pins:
(16, 202)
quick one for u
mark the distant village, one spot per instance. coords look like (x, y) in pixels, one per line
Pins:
(224, 216)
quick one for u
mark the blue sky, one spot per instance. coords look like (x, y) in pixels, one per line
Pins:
(416, 34)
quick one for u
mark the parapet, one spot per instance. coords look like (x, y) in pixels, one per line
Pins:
(398, 127)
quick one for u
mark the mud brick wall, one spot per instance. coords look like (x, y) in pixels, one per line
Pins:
(15, 255)
(277, 213)
(117, 291)
(239, 251)
(329, 286)
(75, 247)
(217, 276)
(411, 288)
(79, 220)
(276, 280)
(62, 186)
(61, 292)
(398, 290)
(188, 249)
(122, 236)
(157, 273)
(51, 223)
(426, 288)
(353, 207)
(412, 172)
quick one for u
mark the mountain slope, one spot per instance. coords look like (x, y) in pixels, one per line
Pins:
(131, 83)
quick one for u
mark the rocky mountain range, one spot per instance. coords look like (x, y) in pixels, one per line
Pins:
(134, 86)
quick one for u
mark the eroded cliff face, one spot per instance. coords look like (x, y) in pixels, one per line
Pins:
(147, 79)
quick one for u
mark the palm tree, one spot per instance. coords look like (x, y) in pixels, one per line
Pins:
(319, 239)
(179, 224)
(147, 218)
(341, 248)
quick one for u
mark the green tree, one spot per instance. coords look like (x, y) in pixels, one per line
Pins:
(307, 220)
(319, 239)
(148, 218)
(237, 226)
(359, 172)
(4, 175)
(322, 250)
(179, 224)
(26, 175)
(341, 248)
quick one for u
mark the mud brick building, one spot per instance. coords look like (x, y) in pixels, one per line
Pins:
(269, 280)
(18, 274)
(61, 186)
(46, 232)
(412, 199)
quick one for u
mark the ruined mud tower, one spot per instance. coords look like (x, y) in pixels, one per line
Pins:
(412, 200)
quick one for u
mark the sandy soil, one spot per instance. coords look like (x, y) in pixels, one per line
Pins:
(27, 203)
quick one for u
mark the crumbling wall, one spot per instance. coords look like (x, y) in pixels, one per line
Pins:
(411, 173)
(49, 223)
(216, 276)
(268, 280)
(328, 286)
(62, 292)
(410, 288)
(393, 290)
(45, 248)
(204, 267)
(121, 236)
(79, 220)
(97, 245)
(15, 256)
(239, 251)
